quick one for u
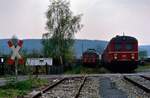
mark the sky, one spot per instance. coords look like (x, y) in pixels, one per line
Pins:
(102, 19)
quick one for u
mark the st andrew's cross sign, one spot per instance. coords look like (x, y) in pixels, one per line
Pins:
(15, 54)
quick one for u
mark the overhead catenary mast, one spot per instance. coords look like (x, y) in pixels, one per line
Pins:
(123, 34)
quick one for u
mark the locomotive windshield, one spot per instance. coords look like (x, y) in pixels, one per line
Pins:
(129, 47)
(118, 46)
(123, 46)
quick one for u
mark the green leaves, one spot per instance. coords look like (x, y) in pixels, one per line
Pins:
(13, 88)
(61, 26)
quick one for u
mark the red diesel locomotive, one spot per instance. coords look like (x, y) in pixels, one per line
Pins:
(90, 58)
(121, 54)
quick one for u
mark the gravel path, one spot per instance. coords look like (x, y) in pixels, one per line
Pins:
(108, 89)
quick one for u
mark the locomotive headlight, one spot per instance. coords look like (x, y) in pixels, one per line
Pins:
(2, 60)
(115, 56)
(132, 56)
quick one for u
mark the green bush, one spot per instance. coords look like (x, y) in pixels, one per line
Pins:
(13, 88)
(23, 85)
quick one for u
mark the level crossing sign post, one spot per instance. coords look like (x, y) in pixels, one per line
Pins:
(15, 57)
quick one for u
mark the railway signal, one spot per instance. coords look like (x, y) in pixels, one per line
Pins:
(15, 57)
(15, 54)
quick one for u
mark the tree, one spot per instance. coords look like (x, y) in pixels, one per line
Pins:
(61, 26)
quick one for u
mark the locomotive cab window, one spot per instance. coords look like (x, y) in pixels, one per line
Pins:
(129, 47)
(118, 46)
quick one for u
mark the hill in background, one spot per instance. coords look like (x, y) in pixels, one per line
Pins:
(79, 46)
(145, 48)
(35, 44)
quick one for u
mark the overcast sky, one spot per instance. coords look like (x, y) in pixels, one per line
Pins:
(102, 19)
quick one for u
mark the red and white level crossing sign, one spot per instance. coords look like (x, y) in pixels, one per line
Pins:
(15, 54)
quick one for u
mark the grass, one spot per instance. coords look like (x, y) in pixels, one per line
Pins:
(143, 68)
(100, 70)
(13, 89)
(86, 70)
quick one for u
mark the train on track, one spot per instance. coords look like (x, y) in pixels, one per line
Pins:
(121, 54)
(90, 58)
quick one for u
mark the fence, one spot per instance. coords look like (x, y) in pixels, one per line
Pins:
(46, 69)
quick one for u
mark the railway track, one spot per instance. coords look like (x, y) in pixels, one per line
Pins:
(90, 88)
(141, 82)
(118, 86)
(39, 94)
(65, 88)
(80, 88)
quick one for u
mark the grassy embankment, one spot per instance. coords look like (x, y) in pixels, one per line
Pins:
(13, 89)
(100, 70)
(143, 68)
(86, 70)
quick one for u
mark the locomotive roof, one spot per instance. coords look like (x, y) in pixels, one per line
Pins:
(90, 51)
(121, 38)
